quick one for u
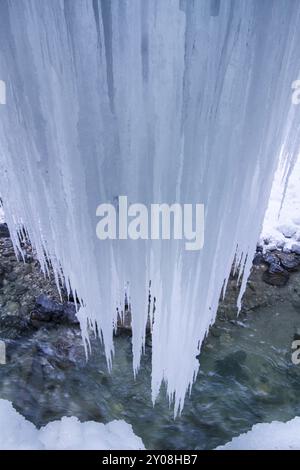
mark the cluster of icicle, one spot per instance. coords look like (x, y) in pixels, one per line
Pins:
(163, 101)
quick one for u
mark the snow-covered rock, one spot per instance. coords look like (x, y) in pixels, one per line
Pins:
(296, 249)
(268, 436)
(288, 231)
(16, 433)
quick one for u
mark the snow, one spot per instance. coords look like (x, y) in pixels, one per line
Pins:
(268, 436)
(164, 102)
(281, 226)
(16, 433)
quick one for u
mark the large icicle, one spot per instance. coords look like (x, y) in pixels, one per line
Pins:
(162, 101)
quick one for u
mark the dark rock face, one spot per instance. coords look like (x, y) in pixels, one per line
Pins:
(279, 265)
(258, 259)
(271, 259)
(49, 310)
(2, 275)
(28, 300)
(36, 317)
(289, 261)
(46, 304)
(276, 276)
(4, 232)
(70, 313)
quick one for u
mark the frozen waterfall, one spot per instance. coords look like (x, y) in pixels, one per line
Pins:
(162, 101)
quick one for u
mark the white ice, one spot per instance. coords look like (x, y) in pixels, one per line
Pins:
(162, 101)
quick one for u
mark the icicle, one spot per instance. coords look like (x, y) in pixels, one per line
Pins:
(161, 101)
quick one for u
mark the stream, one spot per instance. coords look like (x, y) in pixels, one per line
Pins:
(246, 375)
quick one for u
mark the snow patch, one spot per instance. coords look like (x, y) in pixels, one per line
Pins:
(16, 433)
(268, 436)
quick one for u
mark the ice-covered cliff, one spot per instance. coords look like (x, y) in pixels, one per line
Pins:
(161, 101)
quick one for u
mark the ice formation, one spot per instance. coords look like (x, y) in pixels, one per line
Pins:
(161, 101)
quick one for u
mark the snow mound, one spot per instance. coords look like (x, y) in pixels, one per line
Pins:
(16, 433)
(268, 436)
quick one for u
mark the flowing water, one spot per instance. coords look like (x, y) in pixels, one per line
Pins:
(246, 376)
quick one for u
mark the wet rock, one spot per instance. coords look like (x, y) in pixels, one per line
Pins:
(37, 316)
(271, 258)
(27, 269)
(289, 261)
(276, 275)
(28, 258)
(2, 274)
(258, 259)
(279, 263)
(46, 304)
(69, 297)
(251, 286)
(20, 289)
(124, 323)
(12, 276)
(49, 310)
(13, 326)
(12, 308)
(7, 267)
(4, 232)
(70, 313)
